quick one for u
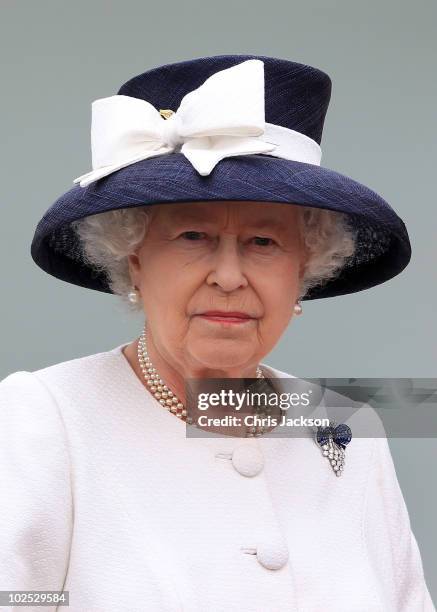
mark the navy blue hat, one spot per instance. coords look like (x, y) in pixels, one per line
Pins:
(296, 97)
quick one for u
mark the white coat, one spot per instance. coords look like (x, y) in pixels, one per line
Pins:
(104, 496)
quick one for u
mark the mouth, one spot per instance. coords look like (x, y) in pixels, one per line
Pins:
(233, 318)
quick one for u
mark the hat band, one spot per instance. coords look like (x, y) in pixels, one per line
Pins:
(112, 151)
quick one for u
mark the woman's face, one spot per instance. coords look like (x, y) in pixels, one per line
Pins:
(224, 256)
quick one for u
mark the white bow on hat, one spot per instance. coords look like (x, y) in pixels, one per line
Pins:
(222, 118)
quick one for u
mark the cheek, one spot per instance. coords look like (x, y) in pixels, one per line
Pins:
(167, 287)
(279, 296)
(279, 293)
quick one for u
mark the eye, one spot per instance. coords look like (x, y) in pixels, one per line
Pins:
(192, 235)
(263, 241)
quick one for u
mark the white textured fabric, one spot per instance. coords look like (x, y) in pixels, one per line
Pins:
(103, 495)
(223, 117)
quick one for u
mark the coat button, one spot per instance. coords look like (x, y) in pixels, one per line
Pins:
(272, 555)
(247, 460)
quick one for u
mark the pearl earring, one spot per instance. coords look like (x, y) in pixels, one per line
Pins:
(133, 295)
(297, 308)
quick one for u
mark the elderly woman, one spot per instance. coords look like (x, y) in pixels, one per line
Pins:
(216, 220)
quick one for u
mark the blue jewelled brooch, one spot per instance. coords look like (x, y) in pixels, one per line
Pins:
(333, 440)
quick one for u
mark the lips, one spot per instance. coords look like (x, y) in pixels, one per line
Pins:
(222, 313)
(226, 316)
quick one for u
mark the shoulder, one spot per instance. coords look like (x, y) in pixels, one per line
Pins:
(22, 396)
(29, 416)
(36, 406)
(41, 391)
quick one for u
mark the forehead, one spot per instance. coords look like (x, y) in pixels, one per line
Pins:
(259, 214)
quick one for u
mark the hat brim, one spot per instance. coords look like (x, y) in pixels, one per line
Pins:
(383, 248)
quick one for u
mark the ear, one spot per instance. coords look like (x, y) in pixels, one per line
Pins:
(303, 262)
(134, 268)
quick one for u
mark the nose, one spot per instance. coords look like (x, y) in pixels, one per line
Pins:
(227, 266)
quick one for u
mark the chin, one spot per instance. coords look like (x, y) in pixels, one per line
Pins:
(217, 357)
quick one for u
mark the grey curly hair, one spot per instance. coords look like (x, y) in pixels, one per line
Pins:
(108, 238)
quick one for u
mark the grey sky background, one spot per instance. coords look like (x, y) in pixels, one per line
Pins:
(380, 129)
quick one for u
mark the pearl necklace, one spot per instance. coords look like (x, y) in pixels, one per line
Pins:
(165, 395)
